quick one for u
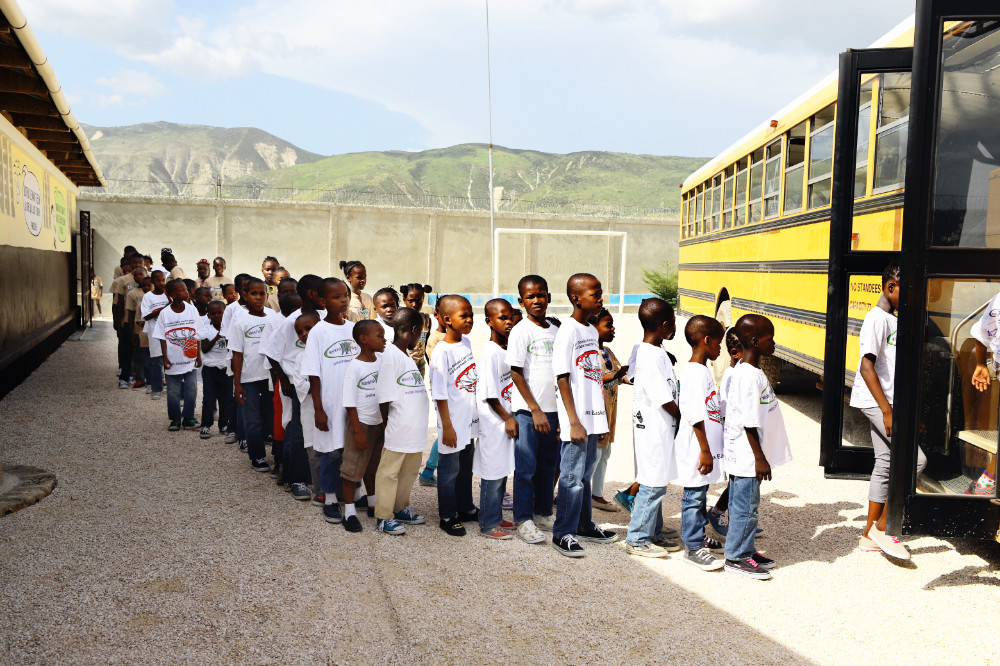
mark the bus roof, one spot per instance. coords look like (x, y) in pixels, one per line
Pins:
(752, 140)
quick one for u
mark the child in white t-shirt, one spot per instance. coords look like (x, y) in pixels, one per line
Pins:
(576, 363)
(291, 363)
(403, 402)
(176, 330)
(152, 303)
(717, 517)
(536, 451)
(698, 446)
(755, 442)
(217, 385)
(493, 461)
(654, 423)
(330, 349)
(454, 376)
(385, 302)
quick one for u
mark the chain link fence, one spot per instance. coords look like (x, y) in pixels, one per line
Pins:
(263, 192)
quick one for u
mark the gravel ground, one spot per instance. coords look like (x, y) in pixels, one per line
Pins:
(161, 547)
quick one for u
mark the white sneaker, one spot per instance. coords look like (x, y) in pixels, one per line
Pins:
(149, 388)
(890, 545)
(529, 533)
(545, 522)
(156, 396)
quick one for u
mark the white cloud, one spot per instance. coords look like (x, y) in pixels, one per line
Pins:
(129, 86)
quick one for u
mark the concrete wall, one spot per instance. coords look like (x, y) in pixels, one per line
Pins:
(448, 249)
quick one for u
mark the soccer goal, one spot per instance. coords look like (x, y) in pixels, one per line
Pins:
(497, 233)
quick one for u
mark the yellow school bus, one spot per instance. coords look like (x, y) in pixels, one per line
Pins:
(755, 220)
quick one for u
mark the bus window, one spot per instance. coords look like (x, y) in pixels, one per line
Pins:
(697, 211)
(772, 179)
(684, 205)
(740, 211)
(794, 164)
(891, 132)
(821, 158)
(716, 201)
(864, 128)
(756, 183)
(728, 190)
(967, 160)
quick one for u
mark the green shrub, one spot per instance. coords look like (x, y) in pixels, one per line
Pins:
(662, 281)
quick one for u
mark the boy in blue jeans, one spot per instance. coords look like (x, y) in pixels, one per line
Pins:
(576, 363)
(755, 442)
(176, 330)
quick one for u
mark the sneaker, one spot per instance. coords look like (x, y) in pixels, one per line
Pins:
(352, 524)
(666, 544)
(138, 385)
(507, 504)
(866, 545)
(890, 545)
(644, 550)
(625, 501)
(243, 445)
(703, 559)
(230, 438)
(390, 526)
(986, 484)
(276, 471)
(528, 533)
(122, 384)
(149, 388)
(407, 516)
(497, 533)
(545, 522)
(719, 522)
(331, 513)
(175, 425)
(361, 503)
(747, 568)
(206, 433)
(260, 465)
(597, 535)
(669, 532)
(189, 423)
(371, 512)
(426, 477)
(507, 525)
(319, 499)
(300, 492)
(156, 396)
(713, 546)
(568, 546)
(472, 517)
(763, 562)
(453, 527)
(602, 504)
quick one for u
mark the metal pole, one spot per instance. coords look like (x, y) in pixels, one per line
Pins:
(489, 107)
(621, 286)
(495, 238)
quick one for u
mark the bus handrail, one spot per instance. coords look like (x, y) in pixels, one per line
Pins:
(954, 355)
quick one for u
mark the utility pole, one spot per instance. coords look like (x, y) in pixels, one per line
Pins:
(489, 105)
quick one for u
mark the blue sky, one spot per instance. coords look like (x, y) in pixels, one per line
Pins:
(667, 77)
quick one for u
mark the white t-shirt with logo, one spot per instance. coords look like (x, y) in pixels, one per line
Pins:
(727, 378)
(227, 316)
(359, 390)
(652, 376)
(285, 340)
(575, 352)
(329, 350)
(878, 337)
(751, 403)
(390, 332)
(454, 376)
(699, 403)
(530, 347)
(400, 384)
(180, 330)
(218, 355)
(150, 302)
(494, 456)
(245, 334)
(985, 330)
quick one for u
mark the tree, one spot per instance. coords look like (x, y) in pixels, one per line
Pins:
(662, 281)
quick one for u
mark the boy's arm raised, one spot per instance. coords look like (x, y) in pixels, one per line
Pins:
(539, 418)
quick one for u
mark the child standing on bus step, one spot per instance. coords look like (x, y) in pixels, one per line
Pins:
(582, 417)
(361, 306)
(217, 385)
(329, 351)
(427, 477)
(698, 447)
(872, 393)
(403, 402)
(613, 374)
(654, 420)
(493, 461)
(176, 332)
(755, 441)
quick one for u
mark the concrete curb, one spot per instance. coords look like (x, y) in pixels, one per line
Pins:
(35, 484)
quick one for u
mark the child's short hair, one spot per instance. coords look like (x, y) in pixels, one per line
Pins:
(576, 282)
(653, 312)
(364, 327)
(349, 266)
(191, 285)
(307, 316)
(531, 280)
(750, 326)
(307, 283)
(554, 320)
(201, 290)
(601, 315)
(700, 327)
(387, 290)
(250, 281)
(891, 272)
(224, 287)
(270, 258)
(405, 289)
(218, 304)
(493, 303)
(288, 280)
(332, 282)
(289, 303)
(733, 344)
(172, 286)
(406, 318)
(148, 258)
(241, 280)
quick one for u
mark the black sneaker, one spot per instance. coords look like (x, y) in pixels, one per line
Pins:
(713, 545)
(260, 465)
(299, 492)
(276, 471)
(352, 524)
(361, 503)
(471, 517)
(189, 423)
(453, 527)
(331, 513)
(597, 535)
(371, 512)
(763, 562)
(747, 568)
(243, 445)
(568, 546)
(175, 425)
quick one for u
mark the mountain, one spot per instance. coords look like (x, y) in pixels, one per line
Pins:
(167, 158)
